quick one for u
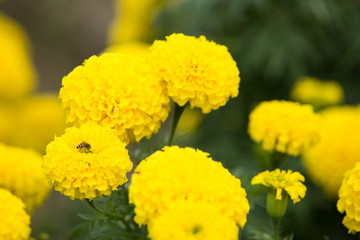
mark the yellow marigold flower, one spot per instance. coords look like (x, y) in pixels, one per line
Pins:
(349, 199)
(116, 91)
(283, 126)
(37, 120)
(87, 162)
(17, 76)
(282, 180)
(196, 70)
(185, 174)
(317, 92)
(195, 220)
(22, 174)
(137, 49)
(337, 149)
(15, 221)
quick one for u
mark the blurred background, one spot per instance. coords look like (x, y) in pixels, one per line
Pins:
(274, 42)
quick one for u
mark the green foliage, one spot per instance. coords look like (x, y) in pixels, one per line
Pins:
(112, 218)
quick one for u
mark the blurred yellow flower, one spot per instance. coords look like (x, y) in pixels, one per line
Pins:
(7, 126)
(133, 48)
(317, 92)
(87, 162)
(17, 76)
(14, 222)
(278, 180)
(196, 70)
(22, 174)
(185, 174)
(37, 120)
(190, 120)
(337, 149)
(117, 91)
(133, 20)
(283, 126)
(193, 220)
(349, 199)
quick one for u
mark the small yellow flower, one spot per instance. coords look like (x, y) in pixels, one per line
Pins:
(185, 174)
(87, 162)
(193, 220)
(349, 199)
(15, 222)
(317, 92)
(282, 180)
(22, 174)
(17, 78)
(284, 126)
(337, 149)
(196, 70)
(116, 91)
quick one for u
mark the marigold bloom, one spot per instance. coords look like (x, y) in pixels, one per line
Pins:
(17, 76)
(196, 70)
(22, 174)
(185, 174)
(15, 221)
(195, 220)
(337, 149)
(282, 180)
(349, 199)
(87, 162)
(283, 126)
(317, 92)
(37, 120)
(117, 91)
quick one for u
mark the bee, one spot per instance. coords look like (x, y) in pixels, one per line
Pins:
(84, 147)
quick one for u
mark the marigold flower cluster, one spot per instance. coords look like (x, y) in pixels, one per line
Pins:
(337, 149)
(87, 162)
(284, 126)
(349, 199)
(192, 220)
(317, 92)
(15, 221)
(281, 180)
(22, 174)
(185, 174)
(15, 63)
(116, 91)
(196, 70)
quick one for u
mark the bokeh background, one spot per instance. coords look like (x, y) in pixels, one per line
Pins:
(273, 42)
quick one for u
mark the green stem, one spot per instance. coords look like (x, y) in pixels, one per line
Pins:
(276, 225)
(177, 114)
(93, 206)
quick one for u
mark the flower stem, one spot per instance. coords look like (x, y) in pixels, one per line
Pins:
(276, 225)
(97, 209)
(177, 114)
(93, 206)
